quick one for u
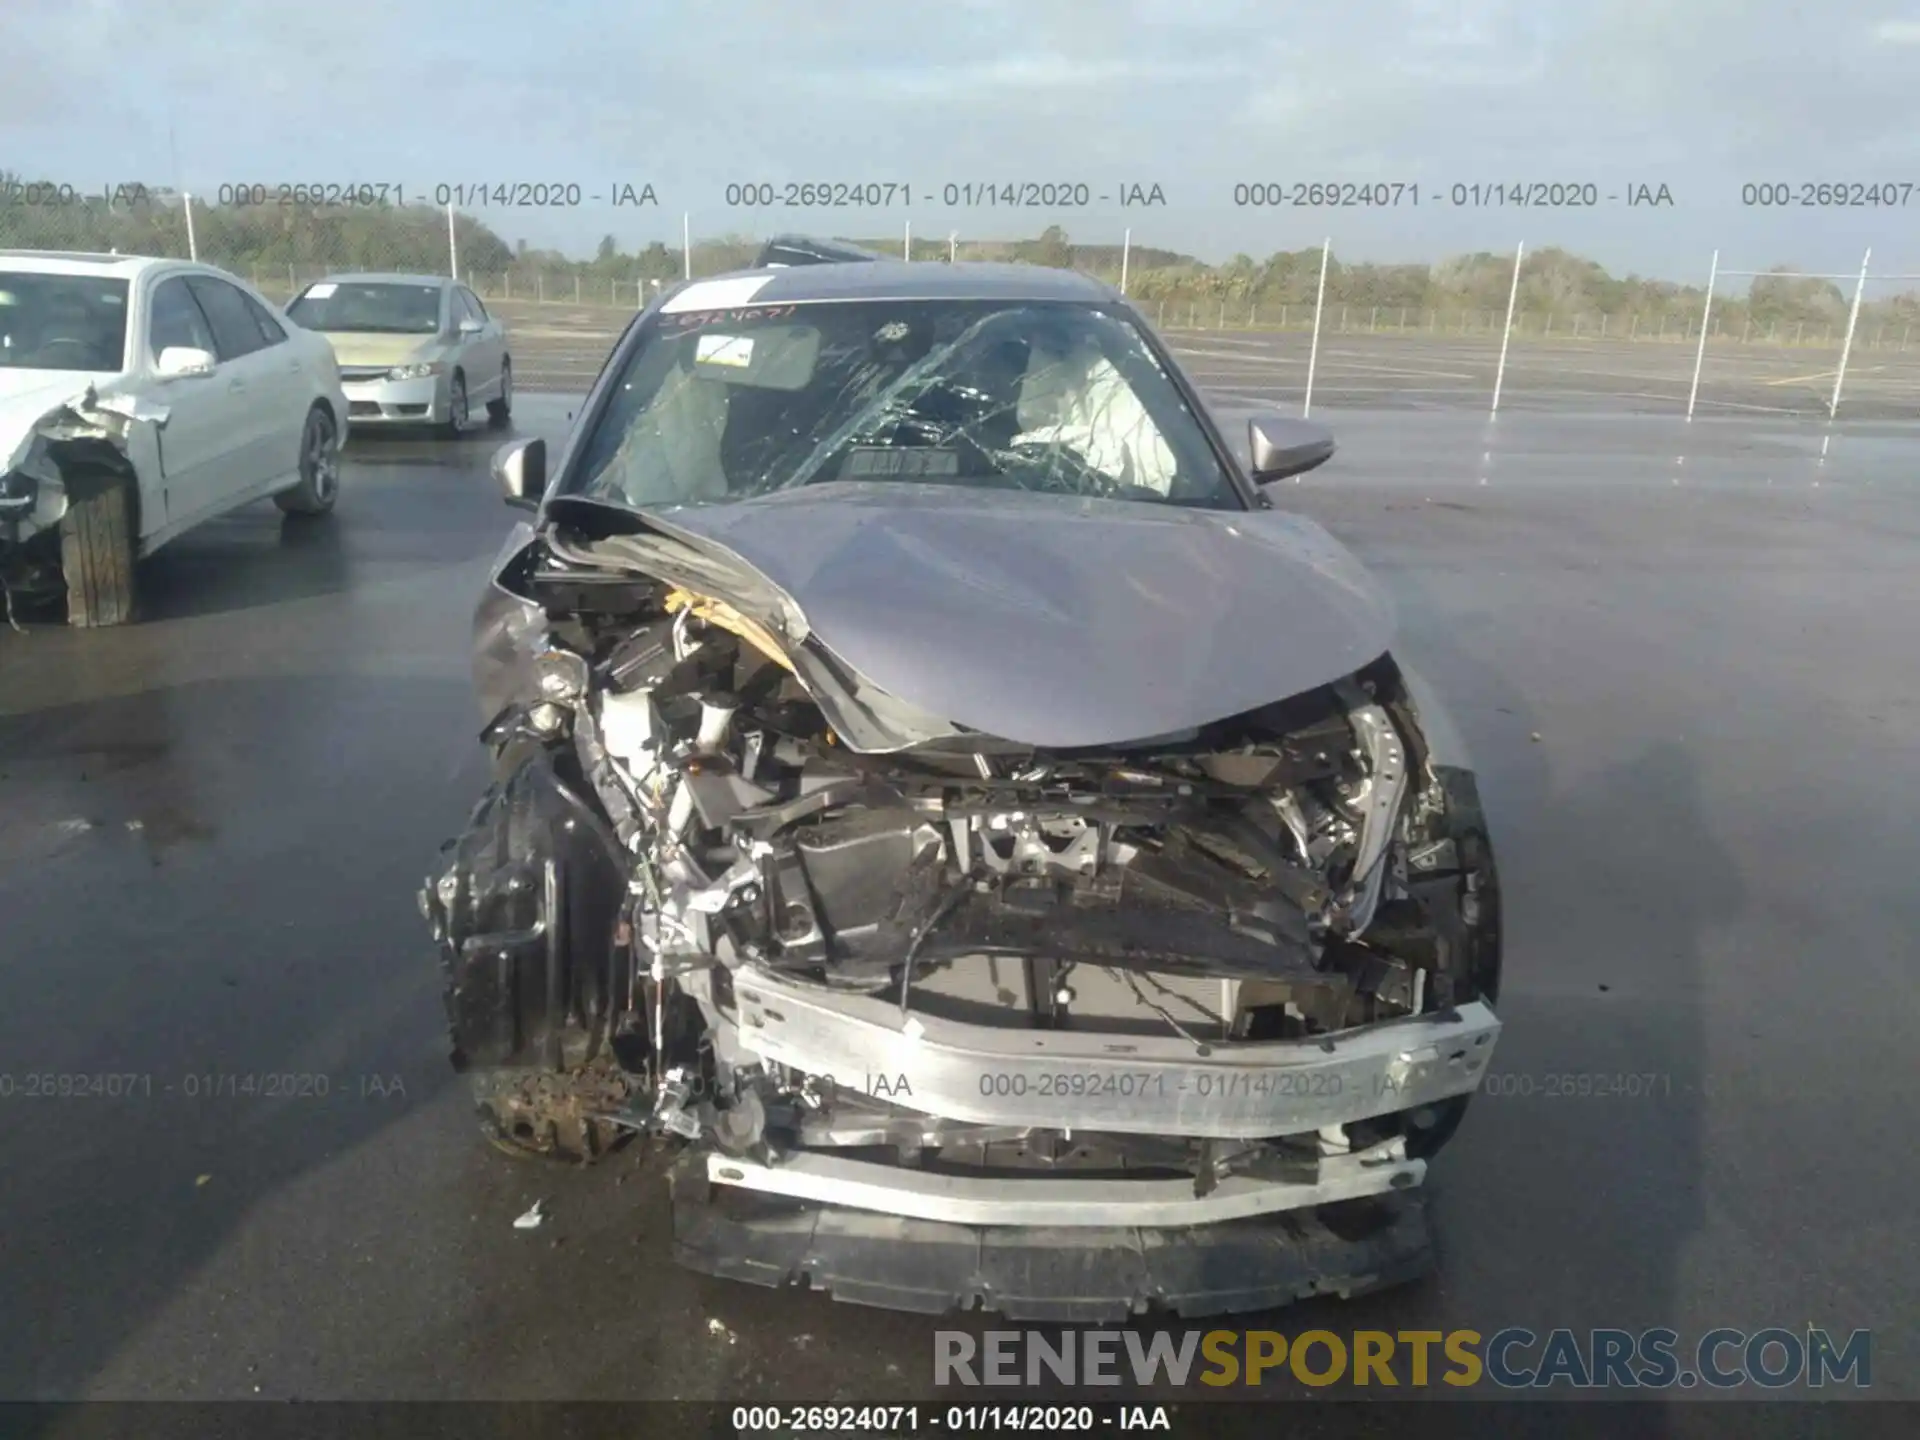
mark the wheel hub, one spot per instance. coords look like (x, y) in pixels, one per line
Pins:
(321, 461)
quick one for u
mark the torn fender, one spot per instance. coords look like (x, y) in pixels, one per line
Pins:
(41, 429)
(526, 910)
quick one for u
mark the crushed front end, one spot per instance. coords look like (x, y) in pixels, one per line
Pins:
(54, 455)
(942, 1019)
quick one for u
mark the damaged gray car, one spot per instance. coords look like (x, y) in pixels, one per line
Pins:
(943, 800)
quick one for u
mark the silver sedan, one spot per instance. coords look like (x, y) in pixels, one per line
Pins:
(412, 349)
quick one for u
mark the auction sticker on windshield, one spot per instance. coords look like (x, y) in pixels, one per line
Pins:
(321, 291)
(733, 350)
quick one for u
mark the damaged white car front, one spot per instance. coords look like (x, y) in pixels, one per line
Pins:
(60, 452)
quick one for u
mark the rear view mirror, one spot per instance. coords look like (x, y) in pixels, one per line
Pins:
(520, 470)
(182, 360)
(1280, 446)
(472, 327)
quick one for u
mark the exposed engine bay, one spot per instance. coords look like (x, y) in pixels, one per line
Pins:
(856, 957)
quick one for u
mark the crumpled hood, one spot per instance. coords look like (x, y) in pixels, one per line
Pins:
(20, 387)
(1059, 622)
(30, 399)
(389, 350)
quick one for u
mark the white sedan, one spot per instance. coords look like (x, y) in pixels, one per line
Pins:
(140, 397)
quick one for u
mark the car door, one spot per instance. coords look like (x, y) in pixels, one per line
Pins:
(287, 387)
(487, 348)
(197, 443)
(251, 394)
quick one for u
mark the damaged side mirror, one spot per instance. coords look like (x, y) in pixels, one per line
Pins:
(1279, 446)
(520, 470)
(179, 361)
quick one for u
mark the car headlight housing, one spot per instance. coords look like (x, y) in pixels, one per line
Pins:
(415, 370)
(561, 675)
(20, 486)
(17, 491)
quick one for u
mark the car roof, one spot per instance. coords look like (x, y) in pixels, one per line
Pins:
(385, 277)
(83, 262)
(898, 280)
(784, 250)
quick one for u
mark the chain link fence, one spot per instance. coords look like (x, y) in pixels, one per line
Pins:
(1544, 299)
(1892, 331)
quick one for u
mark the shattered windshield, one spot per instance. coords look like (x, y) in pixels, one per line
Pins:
(368, 309)
(722, 405)
(62, 322)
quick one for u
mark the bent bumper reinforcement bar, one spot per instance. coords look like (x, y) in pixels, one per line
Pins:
(1042, 1274)
(1060, 1203)
(1123, 1084)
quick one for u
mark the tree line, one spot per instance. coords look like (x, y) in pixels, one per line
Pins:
(279, 244)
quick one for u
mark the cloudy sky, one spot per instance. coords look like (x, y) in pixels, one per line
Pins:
(1193, 95)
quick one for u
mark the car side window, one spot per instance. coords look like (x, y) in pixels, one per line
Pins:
(234, 329)
(175, 319)
(474, 307)
(272, 332)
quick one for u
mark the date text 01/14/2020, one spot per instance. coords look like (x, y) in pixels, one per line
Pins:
(972, 1418)
(478, 194)
(1388, 194)
(1069, 1084)
(966, 195)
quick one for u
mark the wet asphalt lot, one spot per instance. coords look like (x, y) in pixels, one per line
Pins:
(1683, 660)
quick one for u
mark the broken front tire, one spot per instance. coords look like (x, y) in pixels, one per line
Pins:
(543, 1115)
(527, 913)
(98, 540)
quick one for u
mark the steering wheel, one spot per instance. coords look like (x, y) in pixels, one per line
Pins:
(87, 348)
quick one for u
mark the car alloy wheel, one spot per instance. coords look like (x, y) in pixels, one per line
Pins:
(320, 458)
